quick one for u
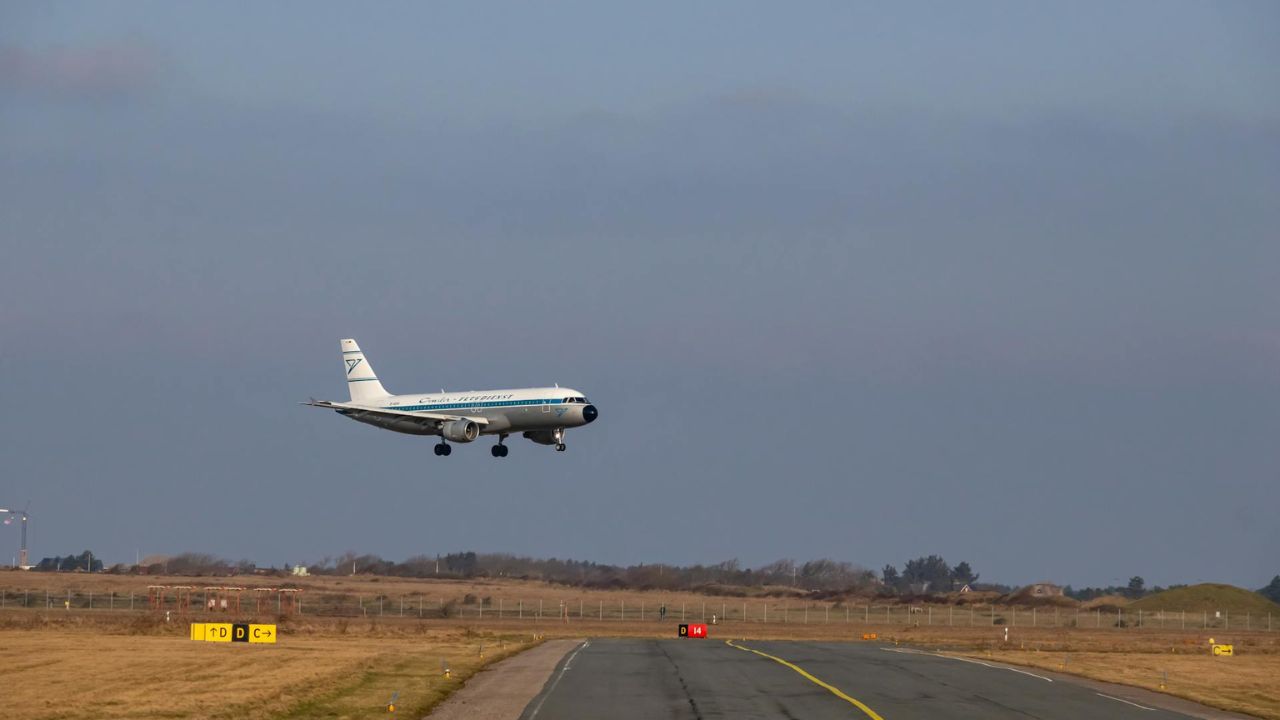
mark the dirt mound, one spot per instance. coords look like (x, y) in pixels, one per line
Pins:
(1208, 597)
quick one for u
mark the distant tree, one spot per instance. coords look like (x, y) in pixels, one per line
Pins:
(930, 573)
(889, 574)
(463, 563)
(70, 563)
(1272, 591)
(1137, 587)
(963, 575)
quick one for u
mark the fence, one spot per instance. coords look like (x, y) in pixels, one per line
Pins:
(427, 606)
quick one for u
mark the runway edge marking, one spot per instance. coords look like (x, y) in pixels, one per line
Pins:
(551, 689)
(1126, 702)
(827, 686)
(908, 651)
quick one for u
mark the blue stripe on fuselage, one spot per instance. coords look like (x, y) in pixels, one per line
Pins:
(456, 406)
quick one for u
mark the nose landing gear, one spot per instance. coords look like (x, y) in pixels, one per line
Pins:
(558, 436)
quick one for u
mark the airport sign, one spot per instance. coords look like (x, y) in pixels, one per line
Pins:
(234, 632)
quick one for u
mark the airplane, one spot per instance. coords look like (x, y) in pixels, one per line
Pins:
(540, 414)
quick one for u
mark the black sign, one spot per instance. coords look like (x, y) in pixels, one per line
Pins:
(684, 631)
(240, 632)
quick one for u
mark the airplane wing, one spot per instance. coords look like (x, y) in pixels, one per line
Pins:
(430, 419)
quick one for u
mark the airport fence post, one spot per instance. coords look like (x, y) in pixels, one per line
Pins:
(380, 606)
(929, 621)
(993, 616)
(642, 611)
(806, 613)
(846, 614)
(90, 599)
(1057, 620)
(1033, 617)
(887, 619)
(744, 616)
(622, 609)
(520, 610)
(579, 608)
(723, 611)
(828, 614)
(704, 610)
(111, 604)
(766, 611)
(130, 599)
(1248, 623)
(480, 605)
(970, 616)
(602, 610)
(682, 607)
(866, 614)
(401, 606)
(950, 615)
(1226, 618)
(1139, 618)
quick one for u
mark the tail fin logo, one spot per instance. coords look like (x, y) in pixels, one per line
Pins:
(351, 364)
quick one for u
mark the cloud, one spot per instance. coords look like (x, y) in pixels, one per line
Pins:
(105, 72)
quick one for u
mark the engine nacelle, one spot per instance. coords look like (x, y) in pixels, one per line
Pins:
(542, 437)
(463, 431)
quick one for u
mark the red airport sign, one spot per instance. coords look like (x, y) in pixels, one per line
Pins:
(698, 630)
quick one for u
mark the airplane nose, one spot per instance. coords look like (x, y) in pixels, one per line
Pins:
(589, 413)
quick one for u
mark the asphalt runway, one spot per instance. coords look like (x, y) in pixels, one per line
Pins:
(637, 679)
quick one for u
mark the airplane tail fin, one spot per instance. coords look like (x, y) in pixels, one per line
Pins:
(361, 380)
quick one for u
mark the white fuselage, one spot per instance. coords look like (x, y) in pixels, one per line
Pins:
(508, 411)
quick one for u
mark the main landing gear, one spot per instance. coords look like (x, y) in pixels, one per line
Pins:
(500, 450)
(443, 448)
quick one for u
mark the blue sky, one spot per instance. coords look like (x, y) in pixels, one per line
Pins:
(996, 281)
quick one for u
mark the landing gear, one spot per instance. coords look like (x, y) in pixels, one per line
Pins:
(560, 447)
(558, 436)
(443, 448)
(500, 450)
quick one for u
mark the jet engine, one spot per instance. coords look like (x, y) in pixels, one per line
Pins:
(542, 437)
(463, 431)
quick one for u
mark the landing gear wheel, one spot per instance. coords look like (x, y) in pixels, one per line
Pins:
(560, 447)
(498, 450)
(443, 449)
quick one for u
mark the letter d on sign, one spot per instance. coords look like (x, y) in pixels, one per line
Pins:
(240, 632)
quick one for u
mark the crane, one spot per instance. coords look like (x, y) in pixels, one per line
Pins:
(25, 516)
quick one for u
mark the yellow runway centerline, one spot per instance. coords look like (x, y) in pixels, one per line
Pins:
(827, 686)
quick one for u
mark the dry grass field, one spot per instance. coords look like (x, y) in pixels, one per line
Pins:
(117, 669)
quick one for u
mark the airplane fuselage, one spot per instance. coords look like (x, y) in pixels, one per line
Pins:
(508, 411)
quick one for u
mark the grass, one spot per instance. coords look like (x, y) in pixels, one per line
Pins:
(1208, 597)
(96, 671)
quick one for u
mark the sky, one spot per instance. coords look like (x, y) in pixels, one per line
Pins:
(994, 280)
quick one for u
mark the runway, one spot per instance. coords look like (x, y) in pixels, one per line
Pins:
(638, 679)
